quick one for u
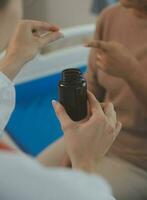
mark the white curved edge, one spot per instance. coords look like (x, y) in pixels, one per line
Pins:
(82, 30)
(53, 63)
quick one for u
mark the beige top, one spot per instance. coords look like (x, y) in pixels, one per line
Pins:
(118, 24)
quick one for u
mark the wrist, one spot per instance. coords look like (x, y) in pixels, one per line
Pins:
(10, 65)
(16, 55)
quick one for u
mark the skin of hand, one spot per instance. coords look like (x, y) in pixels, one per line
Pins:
(26, 43)
(114, 59)
(87, 142)
(65, 160)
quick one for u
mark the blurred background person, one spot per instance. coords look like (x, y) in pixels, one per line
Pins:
(122, 30)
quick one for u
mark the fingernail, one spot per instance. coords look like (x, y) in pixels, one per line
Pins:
(54, 103)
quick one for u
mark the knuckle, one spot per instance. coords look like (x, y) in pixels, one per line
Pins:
(22, 24)
(111, 130)
(111, 105)
(100, 119)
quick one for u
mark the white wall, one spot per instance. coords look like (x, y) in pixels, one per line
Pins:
(35, 10)
(63, 12)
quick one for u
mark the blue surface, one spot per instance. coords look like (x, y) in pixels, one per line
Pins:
(33, 124)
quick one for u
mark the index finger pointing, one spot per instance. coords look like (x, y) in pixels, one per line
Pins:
(98, 45)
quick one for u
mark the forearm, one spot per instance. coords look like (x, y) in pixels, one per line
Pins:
(138, 84)
(53, 155)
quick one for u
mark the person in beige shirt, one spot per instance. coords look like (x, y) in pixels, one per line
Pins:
(117, 73)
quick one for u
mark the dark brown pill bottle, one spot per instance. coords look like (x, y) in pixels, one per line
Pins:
(73, 94)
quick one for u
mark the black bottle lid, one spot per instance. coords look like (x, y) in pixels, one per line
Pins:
(72, 77)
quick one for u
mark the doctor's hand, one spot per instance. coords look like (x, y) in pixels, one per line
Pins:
(29, 38)
(87, 142)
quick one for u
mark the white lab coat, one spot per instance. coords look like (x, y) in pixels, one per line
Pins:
(23, 178)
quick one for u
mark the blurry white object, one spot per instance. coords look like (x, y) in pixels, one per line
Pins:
(74, 36)
(34, 182)
(79, 31)
(55, 62)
